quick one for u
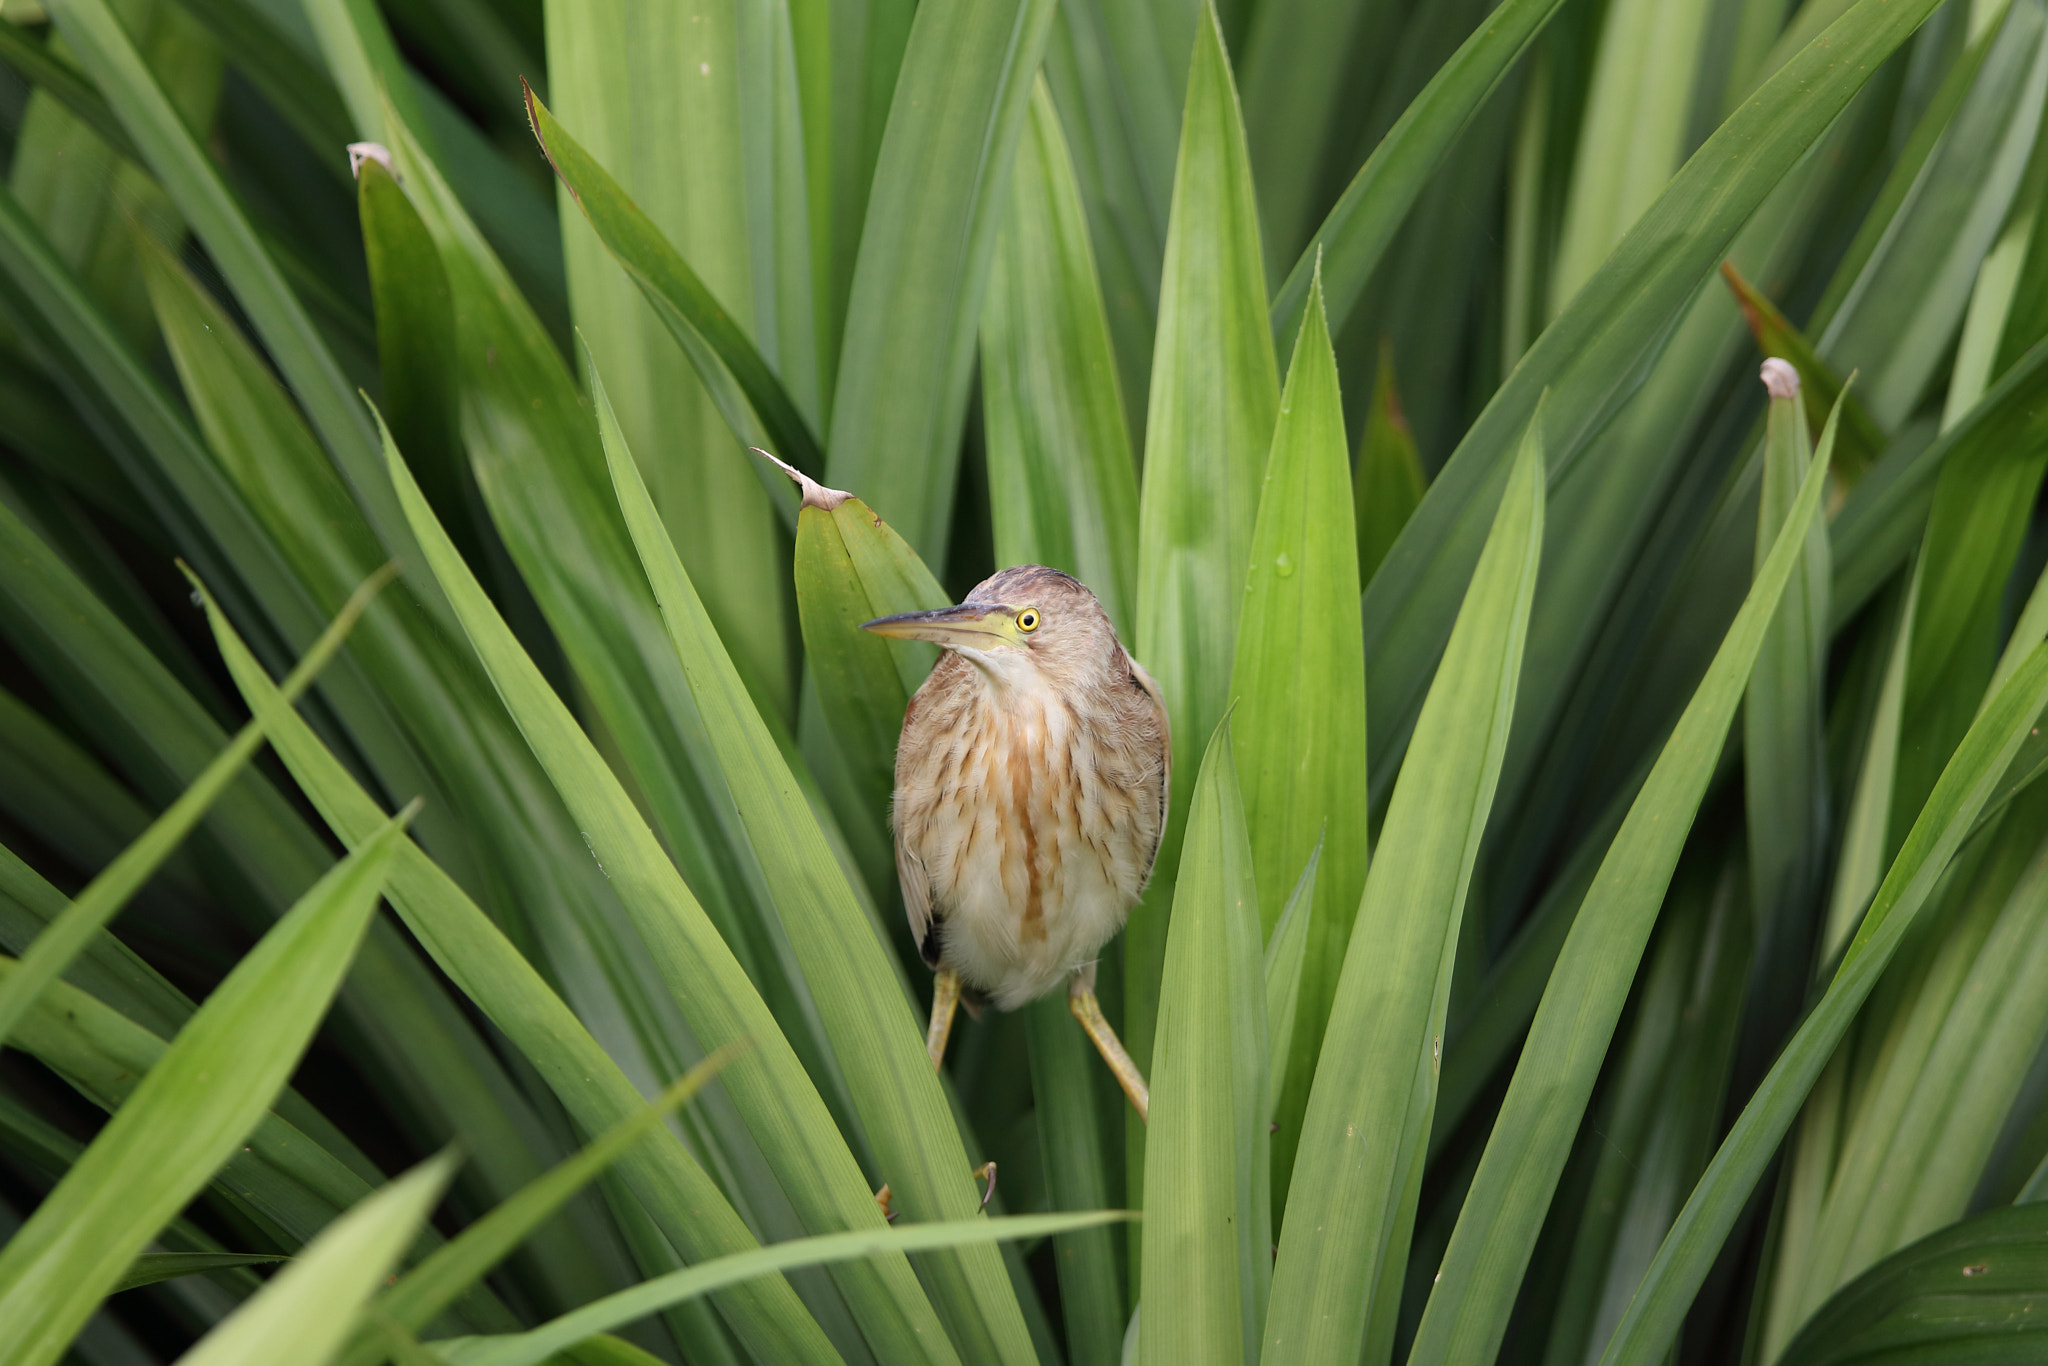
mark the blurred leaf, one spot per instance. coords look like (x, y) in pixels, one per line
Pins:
(1970, 1292)
(1887, 517)
(530, 1349)
(1389, 483)
(1358, 230)
(1983, 500)
(1861, 440)
(188, 1115)
(1897, 320)
(747, 391)
(691, 415)
(1952, 1052)
(676, 1192)
(872, 1028)
(1298, 685)
(941, 181)
(771, 1089)
(1365, 1136)
(1468, 1310)
(1639, 103)
(152, 1267)
(1286, 951)
(1215, 395)
(430, 1287)
(1590, 357)
(306, 1311)
(1659, 1119)
(68, 935)
(66, 83)
(1207, 1142)
(1660, 1302)
(1063, 489)
(195, 183)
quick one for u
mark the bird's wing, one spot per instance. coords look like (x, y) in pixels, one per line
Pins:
(1165, 724)
(917, 891)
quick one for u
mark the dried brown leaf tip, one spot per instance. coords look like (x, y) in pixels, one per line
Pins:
(815, 494)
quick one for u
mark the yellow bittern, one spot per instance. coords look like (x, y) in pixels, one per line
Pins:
(1031, 789)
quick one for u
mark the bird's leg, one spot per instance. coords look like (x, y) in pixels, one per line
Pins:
(1081, 1000)
(945, 1000)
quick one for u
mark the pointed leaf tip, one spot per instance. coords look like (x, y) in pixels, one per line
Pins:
(816, 495)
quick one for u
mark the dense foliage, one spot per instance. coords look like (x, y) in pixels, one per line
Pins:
(444, 856)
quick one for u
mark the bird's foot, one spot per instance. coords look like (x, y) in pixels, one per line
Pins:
(1081, 1001)
(882, 1198)
(987, 1172)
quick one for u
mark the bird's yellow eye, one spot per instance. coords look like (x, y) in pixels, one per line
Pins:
(1027, 620)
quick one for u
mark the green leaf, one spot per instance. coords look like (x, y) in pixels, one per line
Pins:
(1286, 951)
(1975, 525)
(202, 196)
(153, 1267)
(65, 83)
(1590, 356)
(746, 390)
(770, 1088)
(1365, 1134)
(1897, 320)
(1063, 490)
(1215, 395)
(940, 185)
(1861, 440)
(306, 1311)
(872, 1028)
(188, 1115)
(1660, 1302)
(530, 1349)
(1974, 1291)
(1497, 1229)
(71, 933)
(1078, 1113)
(1207, 1144)
(678, 1195)
(1298, 684)
(1784, 775)
(1358, 230)
(1389, 483)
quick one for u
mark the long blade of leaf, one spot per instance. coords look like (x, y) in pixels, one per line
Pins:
(1298, 683)
(68, 936)
(1207, 1140)
(1497, 1228)
(188, 1115)
(679, 1196)
(1366, 1131)
(530, 1349)
(306, 1312)
(872, 1028)
(1591, 357)
(746, 389)
(1063, 489)
(770, 1088)
(1654, 1315)
(941, 181)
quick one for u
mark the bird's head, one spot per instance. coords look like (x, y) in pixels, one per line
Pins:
(1024, 623)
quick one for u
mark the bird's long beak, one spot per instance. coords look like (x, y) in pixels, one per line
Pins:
(976, 625)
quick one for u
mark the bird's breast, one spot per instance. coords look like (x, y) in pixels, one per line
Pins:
(1033, 862)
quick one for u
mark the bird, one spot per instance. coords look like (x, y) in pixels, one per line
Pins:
(1031, 787)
